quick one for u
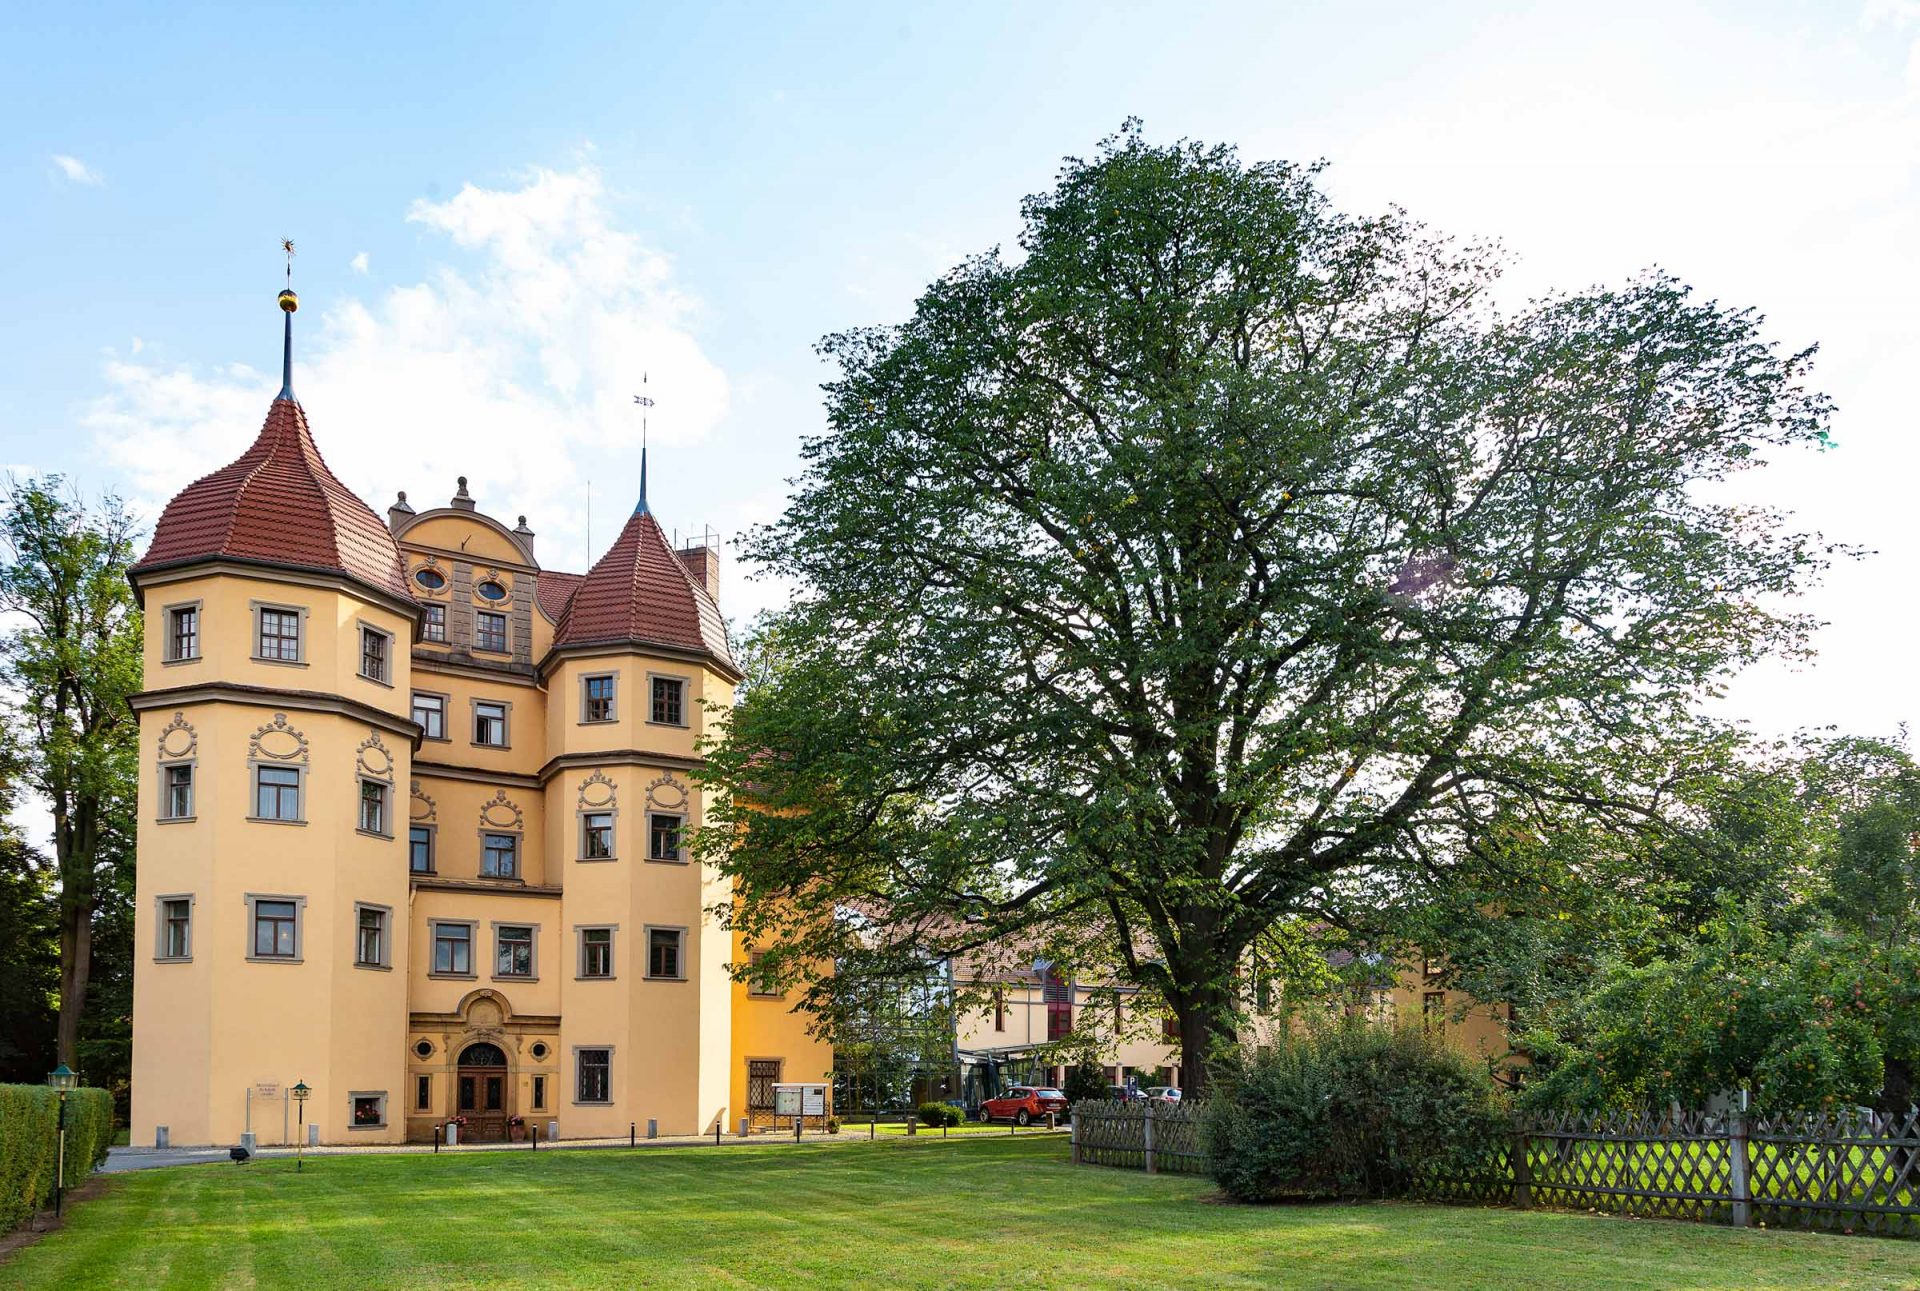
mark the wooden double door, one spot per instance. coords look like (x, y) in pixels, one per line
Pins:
(483, 1093)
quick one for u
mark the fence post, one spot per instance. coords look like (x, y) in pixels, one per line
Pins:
(1522, 1168)
(1737, 1164)
(1073, 1132)
(1149, 1138)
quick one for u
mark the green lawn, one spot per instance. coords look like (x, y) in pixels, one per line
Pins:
(984, 1211)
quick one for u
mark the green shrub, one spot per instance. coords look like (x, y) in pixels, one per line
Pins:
(1083, 1082)
(1348, 1110)
(29, 1144)
(938, 1114)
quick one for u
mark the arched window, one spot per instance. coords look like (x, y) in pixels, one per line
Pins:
(482, 1055)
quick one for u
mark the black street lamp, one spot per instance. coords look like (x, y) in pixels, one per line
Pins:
(63, 1081)
(300, 1092)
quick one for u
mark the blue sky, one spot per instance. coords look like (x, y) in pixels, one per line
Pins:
(506, 214)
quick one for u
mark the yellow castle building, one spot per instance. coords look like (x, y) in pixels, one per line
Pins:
(412, 824)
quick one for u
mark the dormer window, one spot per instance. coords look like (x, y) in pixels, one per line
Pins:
(491, 591)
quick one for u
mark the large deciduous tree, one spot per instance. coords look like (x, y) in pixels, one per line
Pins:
(71, 663)
(1223, 557)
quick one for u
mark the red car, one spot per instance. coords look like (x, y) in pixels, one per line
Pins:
(1023, 1105)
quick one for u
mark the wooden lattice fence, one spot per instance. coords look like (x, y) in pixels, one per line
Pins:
(1150, 1136)
(1850, 1171)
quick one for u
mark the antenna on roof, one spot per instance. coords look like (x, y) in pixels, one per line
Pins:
(645, 403)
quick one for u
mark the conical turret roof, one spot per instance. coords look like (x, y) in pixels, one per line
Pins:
(278, 504)
(640, 593)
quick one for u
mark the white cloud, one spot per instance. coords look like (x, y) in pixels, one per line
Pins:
(359, 263)
(77, 171)
(513, 364)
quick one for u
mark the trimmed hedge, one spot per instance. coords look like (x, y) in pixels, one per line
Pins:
(30, 1144)
(936, 1115)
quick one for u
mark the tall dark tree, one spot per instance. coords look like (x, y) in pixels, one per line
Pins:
(29, 942)
(71, 666)
(1224, 557)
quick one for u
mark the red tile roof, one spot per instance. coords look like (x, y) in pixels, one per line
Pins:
(640, 592)
(278, 504)
(552, 592)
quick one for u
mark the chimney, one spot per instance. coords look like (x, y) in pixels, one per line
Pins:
(525, 535)
(399, 513)
(462, 500)
(703, 562)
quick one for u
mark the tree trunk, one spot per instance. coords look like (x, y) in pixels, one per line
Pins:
(1203, 1023)
(76, 965)
(1896, 1090)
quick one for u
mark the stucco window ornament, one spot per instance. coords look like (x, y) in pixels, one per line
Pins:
(667, 793)
(373, 759)
(596, 790)
(178, 739)
(501, 812)
(278, 742)
(421, 808)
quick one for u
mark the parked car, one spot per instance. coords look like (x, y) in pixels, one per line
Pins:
(1162, 1093)
(1024, 1104)
(1121, 1094)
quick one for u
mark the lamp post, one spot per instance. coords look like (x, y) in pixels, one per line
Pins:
(63, 1081)
(300, 1092)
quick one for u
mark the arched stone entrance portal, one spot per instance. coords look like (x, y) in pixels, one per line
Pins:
(483, 1091)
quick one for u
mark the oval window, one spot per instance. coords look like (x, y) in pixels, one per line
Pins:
(539, 1051)
(424, 1048)
(431, 579)
(492, 591)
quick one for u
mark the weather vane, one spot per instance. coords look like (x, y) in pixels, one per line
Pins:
(286, 245)
(645, 403)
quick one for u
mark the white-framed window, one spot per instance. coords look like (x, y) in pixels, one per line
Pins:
(173, 928)
(513, 950)
(597, 698)
(452, 949)
(596, 835)
(376, 655)
(274, 927)
(490, 723)
(176, 791)
(499, 855)
(276, 794)
(663, 836)
(368, 1109)
(430, 711)
(668, 701)
(666, 960)
(593, 1075)
(433, 624)
(596, 952)
(373, 808)
(490, 631)
(183, 633)
(277, 635)
(372, 944)
(420, 849)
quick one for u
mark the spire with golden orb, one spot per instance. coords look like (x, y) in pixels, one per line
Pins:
(288, 303)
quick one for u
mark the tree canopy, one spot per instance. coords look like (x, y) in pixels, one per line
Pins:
(1222, 557)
